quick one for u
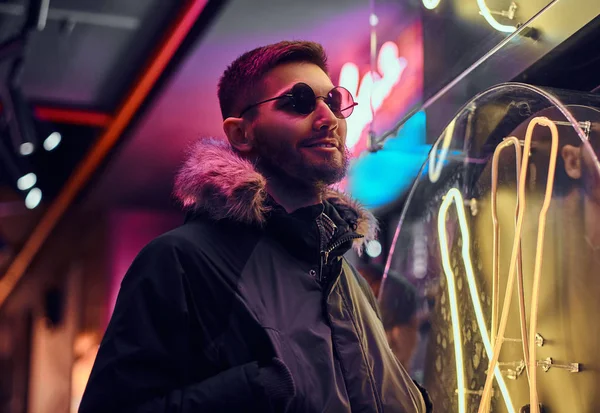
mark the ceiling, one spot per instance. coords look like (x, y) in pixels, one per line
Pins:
(73, 77)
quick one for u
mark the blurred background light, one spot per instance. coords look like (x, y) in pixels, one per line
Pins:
(431, 4)
(26, 181)
(33, 198)
(26, 148)
(373, 248)
(377, 179)
(52, 141)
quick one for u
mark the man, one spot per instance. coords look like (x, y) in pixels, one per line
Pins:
(249, 306)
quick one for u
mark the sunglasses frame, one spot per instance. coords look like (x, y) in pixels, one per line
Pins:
(291, 96)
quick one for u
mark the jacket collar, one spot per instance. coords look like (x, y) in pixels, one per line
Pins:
(218, 183)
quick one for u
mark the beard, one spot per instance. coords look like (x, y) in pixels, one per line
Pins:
(280, 159)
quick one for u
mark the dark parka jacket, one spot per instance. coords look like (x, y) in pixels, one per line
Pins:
(246, 308)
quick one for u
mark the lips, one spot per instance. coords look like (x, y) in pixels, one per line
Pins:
(321, 143)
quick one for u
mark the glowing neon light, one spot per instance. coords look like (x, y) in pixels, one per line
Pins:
(435, 165)
(460, 374)
(431, 4)
(533, 398)
(483, 10)
(510, 141)
(454, 196)
(539, 254)
(373, 88)
(487, 15)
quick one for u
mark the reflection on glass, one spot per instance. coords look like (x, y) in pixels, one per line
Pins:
(463, 248)
(469, 29)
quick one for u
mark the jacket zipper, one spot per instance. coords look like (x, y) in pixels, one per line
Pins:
(324, 257)
(326, 251)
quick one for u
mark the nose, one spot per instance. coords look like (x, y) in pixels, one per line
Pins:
(324, 117)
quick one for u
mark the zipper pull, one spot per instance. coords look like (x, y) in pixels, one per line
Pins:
(324, 257)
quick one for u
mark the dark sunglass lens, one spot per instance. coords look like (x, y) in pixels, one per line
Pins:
(341, 102)
(334, 100)
(304, 98)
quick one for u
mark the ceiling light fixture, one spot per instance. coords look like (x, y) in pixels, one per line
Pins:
(52, 141)
(26, 148)
(33, 198)
(26, 181)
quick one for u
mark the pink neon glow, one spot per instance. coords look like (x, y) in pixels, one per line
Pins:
(129, 231)
(373, 90)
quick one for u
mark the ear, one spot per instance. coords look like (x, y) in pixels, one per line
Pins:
(236, 130)
(571, 156)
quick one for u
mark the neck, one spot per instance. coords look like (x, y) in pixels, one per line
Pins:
(293, 195)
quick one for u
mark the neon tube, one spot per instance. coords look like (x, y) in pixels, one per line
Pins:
(436, 164)
(487, 15)
(454, 195)
(372, 88)
(511, 141)
(539, 254)
(483, 10)
(486, 396)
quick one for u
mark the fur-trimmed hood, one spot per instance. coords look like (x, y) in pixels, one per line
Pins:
(216, 181)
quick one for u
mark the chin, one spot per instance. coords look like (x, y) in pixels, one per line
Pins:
(330, 176)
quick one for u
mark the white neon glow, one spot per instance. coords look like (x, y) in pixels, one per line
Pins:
(52, 141)
(431, 4)
(373, 20)
(26, 181)
(454, 196)
(26, 148)
(420, 252)
(390, 67)
(33, 198)
(487, 15)
(373, 248)
(483, 10)
(436, 163)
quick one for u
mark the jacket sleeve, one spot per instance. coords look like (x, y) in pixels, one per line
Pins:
(143, 360)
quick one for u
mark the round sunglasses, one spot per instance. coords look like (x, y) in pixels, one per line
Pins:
(304, 100)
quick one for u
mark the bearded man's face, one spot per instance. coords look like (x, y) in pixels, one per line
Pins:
(308, 149)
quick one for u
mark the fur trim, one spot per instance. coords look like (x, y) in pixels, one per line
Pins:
(215, 180)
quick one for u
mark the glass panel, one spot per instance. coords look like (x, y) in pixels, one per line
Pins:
(456, 33)
(462, 264)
